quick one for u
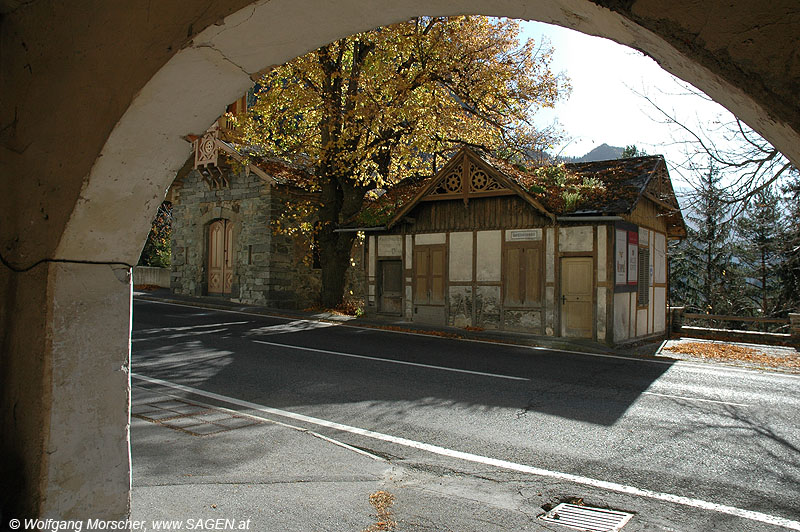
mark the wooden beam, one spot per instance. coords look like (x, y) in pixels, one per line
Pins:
(660, 202)
(716, 317)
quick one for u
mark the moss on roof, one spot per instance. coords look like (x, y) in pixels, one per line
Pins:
(607, 187)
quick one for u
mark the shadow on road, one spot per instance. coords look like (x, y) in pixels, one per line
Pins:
(209, 352)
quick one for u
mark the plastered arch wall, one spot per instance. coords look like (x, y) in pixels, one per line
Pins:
(96, 99)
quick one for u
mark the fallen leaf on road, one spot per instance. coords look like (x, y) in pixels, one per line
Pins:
(382, 501)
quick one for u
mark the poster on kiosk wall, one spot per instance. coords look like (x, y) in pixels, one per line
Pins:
(633, 257)
(621, 257)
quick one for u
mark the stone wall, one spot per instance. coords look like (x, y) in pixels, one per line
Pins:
(270, 269)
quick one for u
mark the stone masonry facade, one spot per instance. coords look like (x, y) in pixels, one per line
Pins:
(269, 269)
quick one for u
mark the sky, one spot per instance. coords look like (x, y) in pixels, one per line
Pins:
(604, 106)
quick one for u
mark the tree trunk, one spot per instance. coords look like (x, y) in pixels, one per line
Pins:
(341, 200)
(335, 251)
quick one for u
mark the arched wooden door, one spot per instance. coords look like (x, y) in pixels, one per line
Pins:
(220, 257)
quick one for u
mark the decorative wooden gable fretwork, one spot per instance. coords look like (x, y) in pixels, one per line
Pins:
(451, 185)
(206, 148)
(206, 159)
(215, 177)
(480, 181)
(464, 178)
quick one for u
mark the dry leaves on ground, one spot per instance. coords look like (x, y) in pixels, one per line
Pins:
(718, 351)
(382, 501)
(146, 287)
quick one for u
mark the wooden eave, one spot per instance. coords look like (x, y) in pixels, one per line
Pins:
(658, 189)
(465, 155)
(253, 168)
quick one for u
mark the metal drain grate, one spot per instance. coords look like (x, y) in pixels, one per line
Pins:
(587, 518)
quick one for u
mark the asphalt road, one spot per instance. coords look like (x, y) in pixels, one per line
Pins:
(727, 436)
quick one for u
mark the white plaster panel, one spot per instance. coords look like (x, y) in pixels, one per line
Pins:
(650, 309)
(622, 316)
(641, 323)
(390, 245)
(461, 256)
(602, 309)
(602, 252)
(409, 306)
(409, 251)
(372, 256)
(652, 259)
(660, 258)
(575, 238)
(551, 256)
(549, 314)
(430, 238)
(632, 307)
(489, 255)
(660, 310)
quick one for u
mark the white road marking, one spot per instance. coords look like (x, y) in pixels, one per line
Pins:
(495, 462)
(694, 399)
(288, 425)
(390, 361)
(672, 362)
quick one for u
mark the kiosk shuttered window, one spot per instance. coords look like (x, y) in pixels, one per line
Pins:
(643, 288)
(522, 279)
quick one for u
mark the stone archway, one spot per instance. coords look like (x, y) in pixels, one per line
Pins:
(96, 102)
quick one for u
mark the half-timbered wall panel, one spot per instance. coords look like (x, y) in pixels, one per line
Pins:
(461, 256)
(489, 252)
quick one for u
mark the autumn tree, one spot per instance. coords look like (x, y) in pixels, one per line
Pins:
(372, 109)
(156, 251)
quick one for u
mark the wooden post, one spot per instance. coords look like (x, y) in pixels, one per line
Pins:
(794, 327)
(676, 318)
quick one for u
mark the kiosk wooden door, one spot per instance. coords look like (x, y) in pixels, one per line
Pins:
(220, 257)
(390, 286)
(576, 297)
(430, 262)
